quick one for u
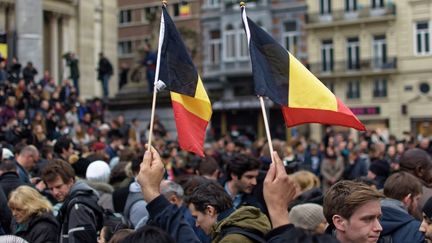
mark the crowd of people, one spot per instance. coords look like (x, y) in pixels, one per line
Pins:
(70, 174)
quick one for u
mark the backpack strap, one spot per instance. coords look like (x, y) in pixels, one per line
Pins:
(133, 198)
(252, 234)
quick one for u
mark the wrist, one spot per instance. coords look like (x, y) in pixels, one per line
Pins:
(278, 217)
(150, 195)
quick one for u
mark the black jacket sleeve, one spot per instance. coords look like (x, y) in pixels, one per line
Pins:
(289, 233)
(5, 213)
(170, 218)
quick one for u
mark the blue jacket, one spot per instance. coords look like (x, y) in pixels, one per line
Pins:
(398, 223)
(170, 218)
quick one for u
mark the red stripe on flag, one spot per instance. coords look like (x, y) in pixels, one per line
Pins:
(342, 117)
(190, 129)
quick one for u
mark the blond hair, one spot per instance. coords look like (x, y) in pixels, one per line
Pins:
(306, 180)
(29, 200)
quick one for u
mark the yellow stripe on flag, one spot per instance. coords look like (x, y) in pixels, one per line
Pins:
(200, 108)
(306, 91)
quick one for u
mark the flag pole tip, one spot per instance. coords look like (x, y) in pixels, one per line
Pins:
(242, 4)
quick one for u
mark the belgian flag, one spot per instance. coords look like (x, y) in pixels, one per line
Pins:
(191, 105)
(279, 76)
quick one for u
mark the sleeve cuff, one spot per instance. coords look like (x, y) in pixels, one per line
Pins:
(157, 205)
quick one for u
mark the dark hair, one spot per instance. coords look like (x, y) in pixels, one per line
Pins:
(344, 197)
(414, 158)
(8, 165)
(400, 185)
(57, 167)
(112, 224)
(207, 166)
(149, 234)
(62, 143)
(189, 183)
(210, 193)
(120, 235)
(240, 164)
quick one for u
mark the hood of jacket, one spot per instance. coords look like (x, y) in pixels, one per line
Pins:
(100, 186)
(82, 188)
(246, 217)
(394, 215)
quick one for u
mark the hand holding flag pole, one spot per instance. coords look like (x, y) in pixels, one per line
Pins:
(155, 89)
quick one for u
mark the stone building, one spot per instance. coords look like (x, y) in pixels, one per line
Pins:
(42, 31)
(376, 56)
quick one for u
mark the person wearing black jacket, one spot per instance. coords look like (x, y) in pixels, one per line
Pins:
(9, 179)
(80, 216)
(105, 71)
(5, 214)
(33, 215)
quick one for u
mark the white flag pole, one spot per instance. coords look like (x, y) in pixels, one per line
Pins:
(161, 39)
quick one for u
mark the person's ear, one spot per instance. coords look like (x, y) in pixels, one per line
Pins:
(210, 210)
(419, 171)
(339, 222)
(173, 199)
(407, 200)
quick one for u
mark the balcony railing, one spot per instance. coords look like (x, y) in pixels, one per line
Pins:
(345, 67)
(342, 15)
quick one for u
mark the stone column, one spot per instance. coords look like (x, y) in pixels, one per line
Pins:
(30, 33)
(54, 53)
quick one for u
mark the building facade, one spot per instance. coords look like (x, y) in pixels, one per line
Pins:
(56, 27)
(138, 27)
(375, 55)
(227, 69)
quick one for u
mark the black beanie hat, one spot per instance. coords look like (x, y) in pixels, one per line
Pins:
(427, 208)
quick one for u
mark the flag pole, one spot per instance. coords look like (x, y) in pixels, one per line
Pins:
(161, 36)
(269, 140)
(266, 126)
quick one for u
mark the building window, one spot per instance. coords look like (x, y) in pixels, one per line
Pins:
(181, 9)
(380, 88)
(353, 89)
(213, 3)
(125, 16)
(125, 48)
(325, 7)
(379, 51)
(327, 55)
(229, 43)
(350, 5)
(377, 4)
(148, 14)
(422, 36)
(290, 37)
(243, 49)
(215, 47)
(353, 52)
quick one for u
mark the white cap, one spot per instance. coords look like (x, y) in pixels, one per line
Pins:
(98, 171)
(7, 154)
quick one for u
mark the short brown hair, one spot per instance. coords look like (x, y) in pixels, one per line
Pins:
(57, 167)
(344, 197)
(401, 184)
